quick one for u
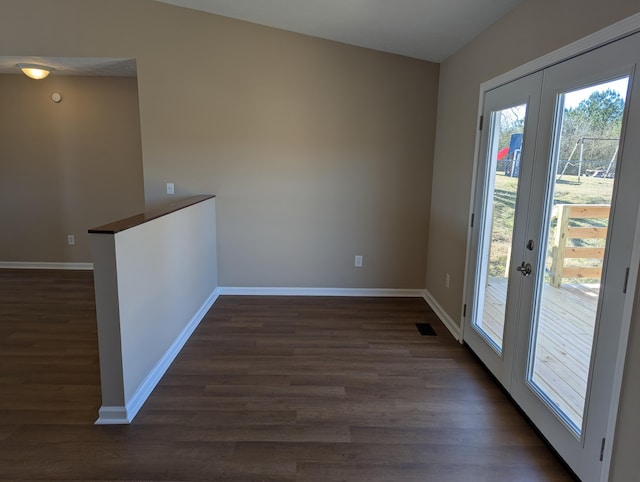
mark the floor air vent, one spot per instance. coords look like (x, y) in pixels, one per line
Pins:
(426, 329)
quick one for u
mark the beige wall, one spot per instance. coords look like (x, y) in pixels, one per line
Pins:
(534, 28)
(66, 167)
(316, 151)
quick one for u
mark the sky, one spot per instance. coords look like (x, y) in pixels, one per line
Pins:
(572, 99)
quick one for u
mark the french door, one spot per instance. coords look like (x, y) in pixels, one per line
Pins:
(555, 207)
(502, 196)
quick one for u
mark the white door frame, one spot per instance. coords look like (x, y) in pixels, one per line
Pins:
(597, 39)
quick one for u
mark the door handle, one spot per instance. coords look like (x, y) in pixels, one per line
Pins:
(525, 269)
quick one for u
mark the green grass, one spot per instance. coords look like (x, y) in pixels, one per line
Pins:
(568, 191)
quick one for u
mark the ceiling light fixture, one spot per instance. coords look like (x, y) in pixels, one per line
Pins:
(35, 71)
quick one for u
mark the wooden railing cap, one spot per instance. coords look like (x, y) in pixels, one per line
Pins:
(138, 219)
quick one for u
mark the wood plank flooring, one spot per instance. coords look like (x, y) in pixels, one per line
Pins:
(565, 339)
(267, 389)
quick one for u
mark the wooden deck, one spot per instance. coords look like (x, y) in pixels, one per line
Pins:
(565, 339)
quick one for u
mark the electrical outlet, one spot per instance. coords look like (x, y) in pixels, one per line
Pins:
(446, 280)
(71, 240)
(358, 261)
(170, 189)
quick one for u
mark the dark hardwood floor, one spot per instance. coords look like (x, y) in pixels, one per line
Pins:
(267, 388)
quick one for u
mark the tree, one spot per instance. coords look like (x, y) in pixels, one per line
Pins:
(602, 108)
(600, 116)
(511, 122)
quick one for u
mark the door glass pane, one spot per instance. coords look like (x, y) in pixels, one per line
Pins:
(501, 188)
(584, 162)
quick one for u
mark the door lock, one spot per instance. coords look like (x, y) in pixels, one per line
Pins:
(530, 245)
(525, 269)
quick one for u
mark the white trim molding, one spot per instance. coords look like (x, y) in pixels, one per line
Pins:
(618, 30)
(447, 321)
(276, 291)
(113, 415)
(44, 265)
(623, 347)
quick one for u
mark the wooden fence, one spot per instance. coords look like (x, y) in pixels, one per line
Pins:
(560, 251)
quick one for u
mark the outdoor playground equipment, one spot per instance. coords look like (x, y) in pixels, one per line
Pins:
(608, 172)
(512, 154)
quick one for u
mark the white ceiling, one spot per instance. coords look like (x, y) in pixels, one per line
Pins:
(73, 66)
(423, 29)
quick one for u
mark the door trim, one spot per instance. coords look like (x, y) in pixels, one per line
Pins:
(623, 343)
(616, 31)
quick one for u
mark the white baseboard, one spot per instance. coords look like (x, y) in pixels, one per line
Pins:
(112, 416)
(266, 291)
(44, 265)
(123, 415)
(451, 325)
